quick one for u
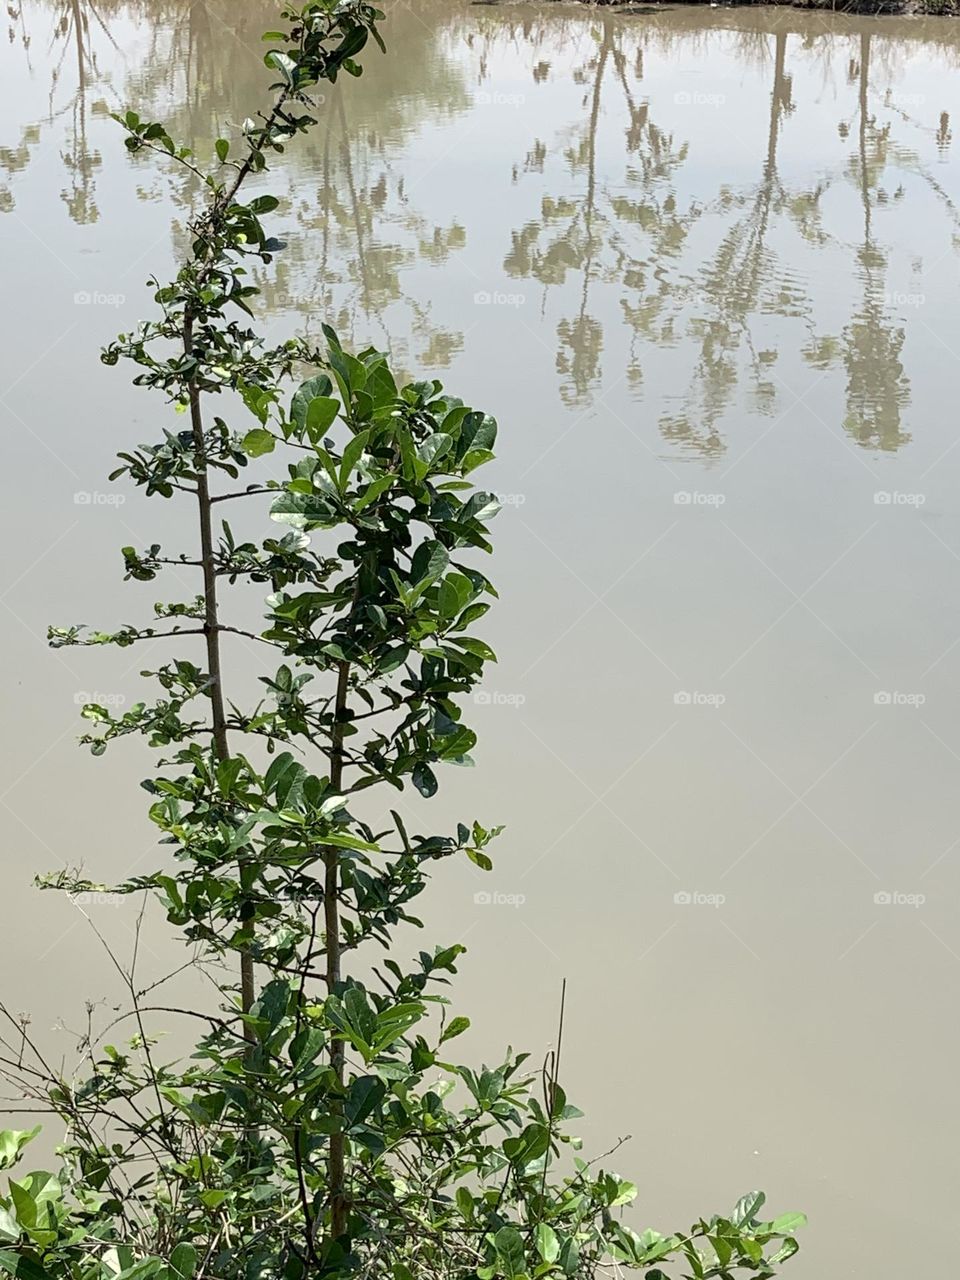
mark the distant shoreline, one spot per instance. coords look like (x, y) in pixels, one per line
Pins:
(862, 8)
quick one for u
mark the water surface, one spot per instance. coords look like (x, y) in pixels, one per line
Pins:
(702, 264)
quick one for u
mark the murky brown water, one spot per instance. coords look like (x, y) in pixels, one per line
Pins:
(703, 266)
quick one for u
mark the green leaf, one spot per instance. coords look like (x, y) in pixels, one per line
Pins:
(482, 506)
(263, 204)
(373, 491)
(465, 1203)
(455, 1027)
(302, 510)
(570, 1257)
(222, 148)
(626, 1192)
(477, 647)
(395, 1022)
(392, 658)
(424, 779)
(258, 442)
(529, 1146)
(340, 840)
(747, 1208)
(430, 562)
(22, 1267)
(548, 1246)
(786, 1250)
(12, 1142)
(434, 448)
(183, 1260)
(321, 412)
(364, 1096)
(283, 63)
(276, 771)
(510, 1253)
(306, 1046)
(351, 456)
(33, 1197)
(142, 1270)
(787, 1223)
(320, 385)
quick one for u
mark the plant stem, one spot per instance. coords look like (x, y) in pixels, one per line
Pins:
(211, 624)
(331, 913)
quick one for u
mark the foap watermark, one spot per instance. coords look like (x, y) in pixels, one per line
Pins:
(896, 498)
(896, 698)
(695, 698)
(897, 298)
(493, 698)
(297, 300)
(94, 898)
(84, 498)
(484, 298)
(484, 98)
(694, 498)
(897, 98)
(511, 499)
(95, 298)
(494, 898)
(894, 898)
(697, 98)
(83, 699)
(694, 898)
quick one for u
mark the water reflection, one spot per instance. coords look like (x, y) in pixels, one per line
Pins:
(717, 304)
(876, 386)
(76, 60)
(200, 72)
(638, 239)
(370, 232)
(589, 232)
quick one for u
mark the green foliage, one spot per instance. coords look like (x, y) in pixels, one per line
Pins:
(319, 1126)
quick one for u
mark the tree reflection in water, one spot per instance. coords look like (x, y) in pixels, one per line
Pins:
(626, 232)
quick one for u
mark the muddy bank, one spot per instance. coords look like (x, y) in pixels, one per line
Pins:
(926, 8)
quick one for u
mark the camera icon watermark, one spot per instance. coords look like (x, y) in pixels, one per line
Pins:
(696, 98)
(484, 98)
(694, 898)
(84, 699)
(486, 298)
(493, 698)
(897, 98)
(94, 898)
(85, 498)
(894, 898)
(94, 298)
(694, 698)
(494, 898)
(694, 498)
(894, 698)
(895, 498)
(297, 300)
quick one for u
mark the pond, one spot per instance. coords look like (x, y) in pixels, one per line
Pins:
(702, 264)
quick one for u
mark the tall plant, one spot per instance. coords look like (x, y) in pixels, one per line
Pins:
(319, 1126)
